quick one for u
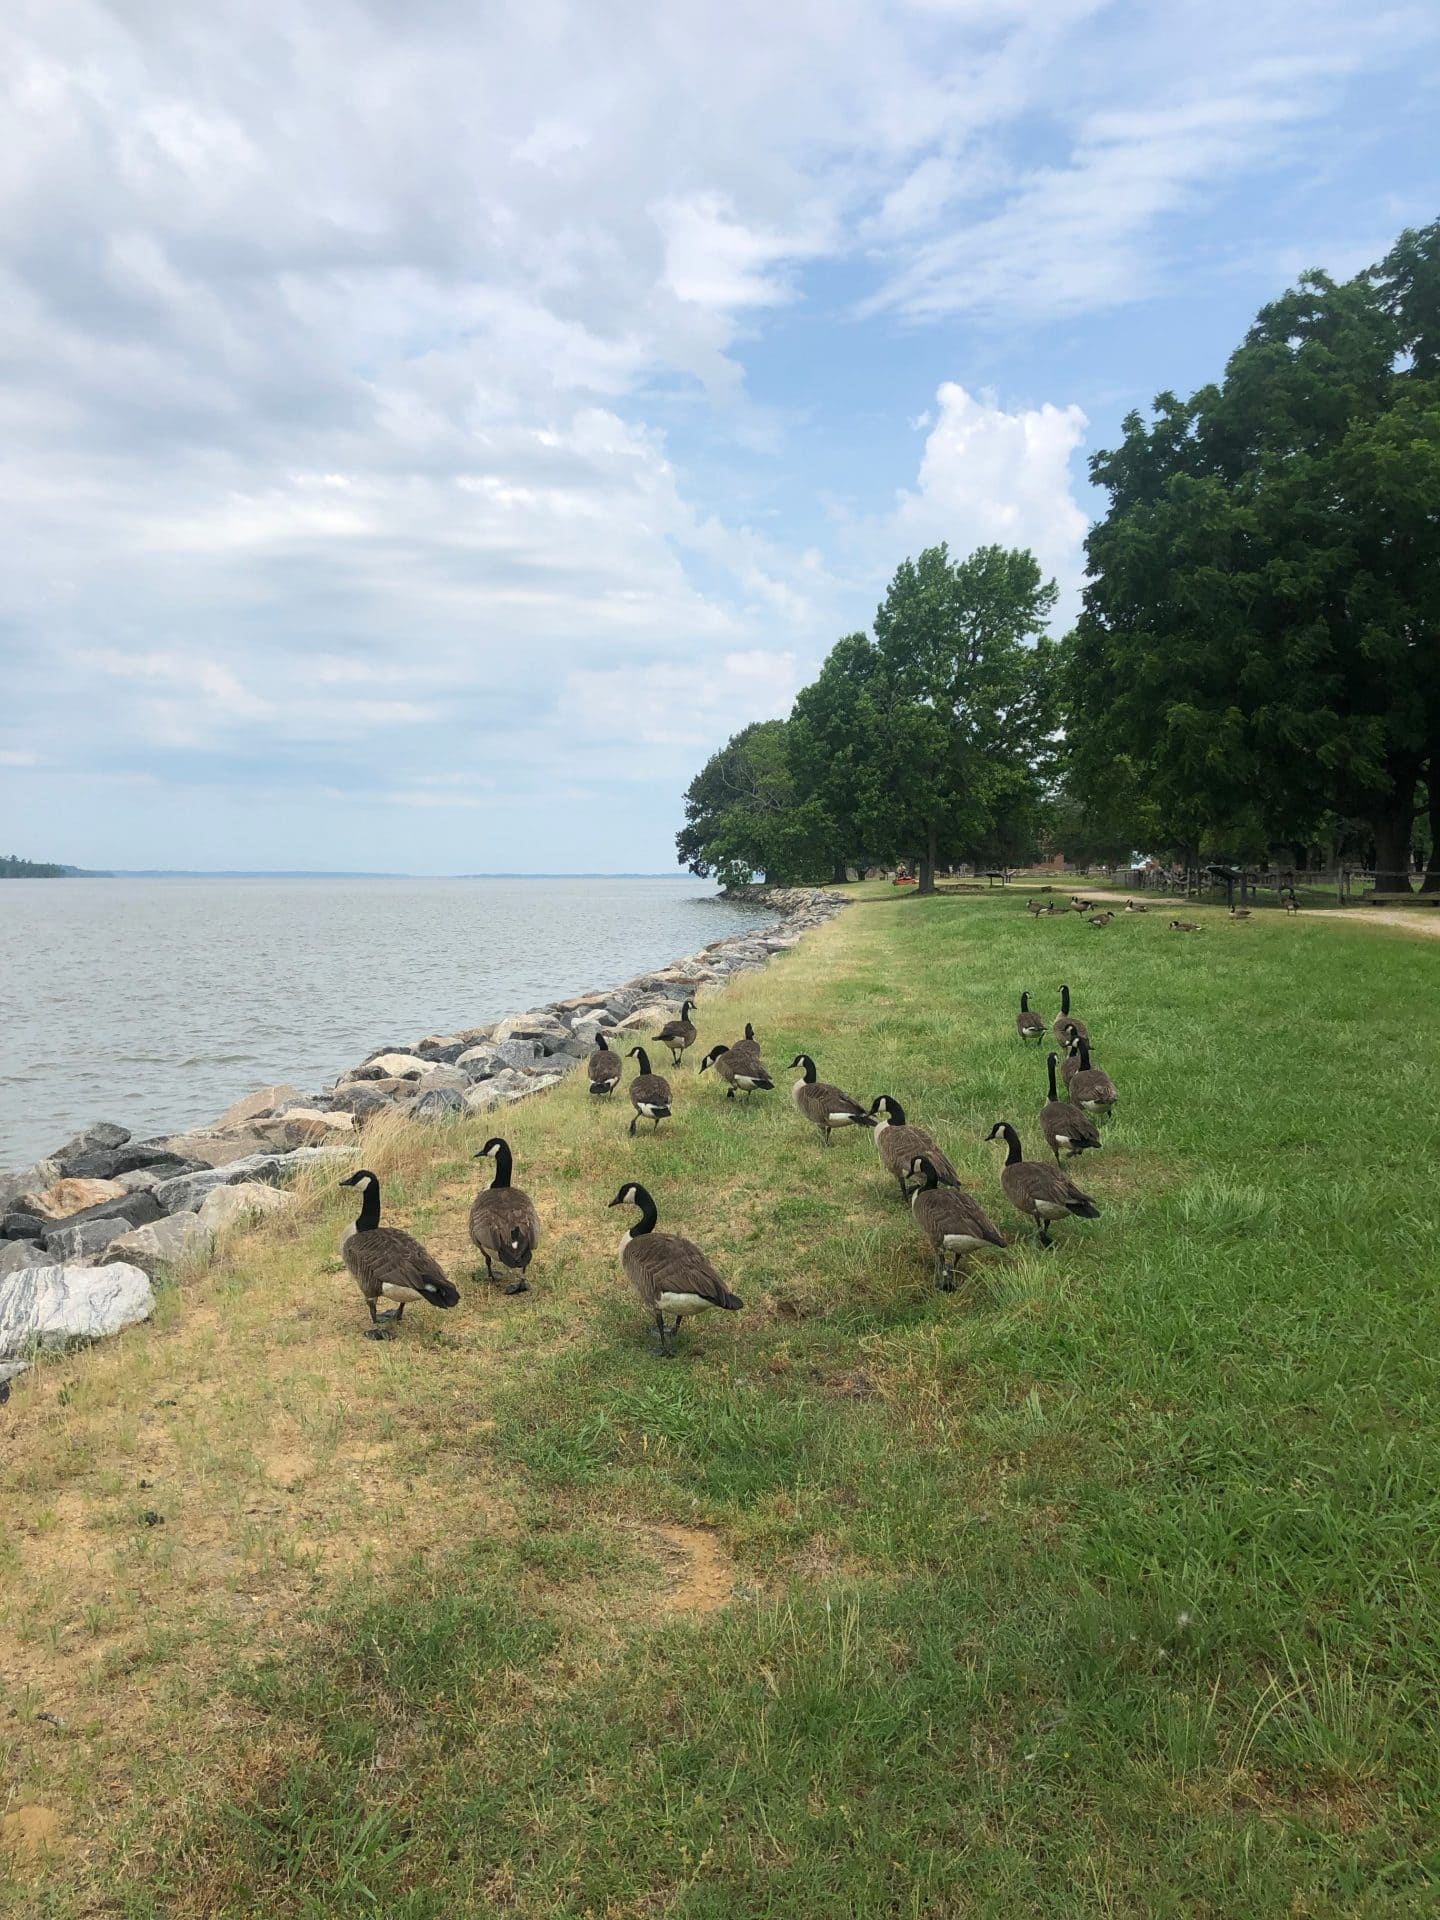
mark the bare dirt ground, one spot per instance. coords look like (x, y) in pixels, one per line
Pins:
(1406, 918)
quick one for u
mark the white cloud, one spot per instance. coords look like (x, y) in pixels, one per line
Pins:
(988, 476)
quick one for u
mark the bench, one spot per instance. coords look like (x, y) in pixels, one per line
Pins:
(1399, 900)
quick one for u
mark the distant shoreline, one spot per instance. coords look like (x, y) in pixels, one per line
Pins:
(319, 873)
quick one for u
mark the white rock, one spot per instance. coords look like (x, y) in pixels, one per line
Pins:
(650, 1018)
(223, 1207)
(172, 1242)
(504, 1086)
(305, 1126)
(51, 1306)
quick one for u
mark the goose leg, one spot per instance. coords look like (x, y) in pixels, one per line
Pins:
(825, 1135)
(665, 1350)
(1045, 1239)
(730, 1093)
(375, 1330)
(947, 1282)
(489, 1270)
(632, 1126)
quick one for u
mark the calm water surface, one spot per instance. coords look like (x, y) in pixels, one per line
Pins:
(157, 1002)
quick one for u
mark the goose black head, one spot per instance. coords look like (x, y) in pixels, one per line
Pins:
(491, 1147)
(804, 1060)
(1006, 1134)
(890, 1107)
(632, 1194)
(749, 1031)
(924, 1170)
(713, 1055)
(363, 1174)
(687, 1007)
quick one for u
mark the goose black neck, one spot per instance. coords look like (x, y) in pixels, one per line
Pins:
(809, 1066)
(1084, 1056)
(368, 1217)
(648, 1215)
(504, 1162)
(602, 1043)
(1012, 1145)
(894, 1112)
(1024, 1003)
(749, 1031)
(1053, 1094)
(1064, 999)
(642, 1060)
(929, 1178)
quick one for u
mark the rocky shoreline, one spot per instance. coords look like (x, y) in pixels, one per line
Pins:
(84, 1231)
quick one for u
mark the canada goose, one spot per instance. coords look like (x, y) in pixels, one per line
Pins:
(1065, 1024)
(1044, 1193)
(649, 1093)
(1292, 905)
(1036, 907)
(1081, 906)
(746, 1075)
(1132, 906)
(1088, 1086)
(603, 1066)
(952, 1220)
(1185, 926)
(385, 1260)
(1101, 919)
(899, 1144)
(825, 1106)
(670, 1275)
(1239, 913)
(503, 1222)
(678, 1034)
(1028, 1024)
(749, 1045)
(1064, 1125)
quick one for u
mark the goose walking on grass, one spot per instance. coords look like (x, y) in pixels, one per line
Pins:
(899, 1144)
(745, 1075)
(649, 1092)
(1028, 1023)
(1041, 1193)
(389, 1264)
(603, 1067)
(503, 1222)
(1064, 1125)
(671, 1275)
(679, 1034)
(825, 1106)
(952, 1220)
(1066, 1025)
(1088, 1086)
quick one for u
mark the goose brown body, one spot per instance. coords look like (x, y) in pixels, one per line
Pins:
(824, 1106)
(503, 1222)
(649, 1092)
(1088, 1086)
(1064, 1125)
(387, 1263)
(679, 1034)
(1041, 1193)
(672, 1276)
(953, 1221)
(745, 1075)
(603, 1067)
(899, 1145)
(1028, 1024)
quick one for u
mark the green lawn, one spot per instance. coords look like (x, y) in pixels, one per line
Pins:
(1106, 1586)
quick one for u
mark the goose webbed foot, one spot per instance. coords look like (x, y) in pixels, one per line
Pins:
(632, 1126)
(520, 1286)
(380, 1331)
(662, 1338)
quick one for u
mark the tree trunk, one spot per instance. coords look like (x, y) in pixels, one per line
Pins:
(839, 873)
(1392, 849)
(927, 863)
(1431, 882)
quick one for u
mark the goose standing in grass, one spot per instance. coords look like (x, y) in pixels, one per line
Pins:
(1185, 926)
(1065, 1024)
(746, 1075)
(678, 1034)
(952, 1220)
(671, 1275)
(649, 1092)
(389, 1264)
(1028, 1023)
(1088, 1086)
(603, 1067)
(503, 1222)
(825, 1106)
(1041, 1193)
(899, 1145)
(1063, 1124)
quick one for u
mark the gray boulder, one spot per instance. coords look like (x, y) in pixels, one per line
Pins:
(165, 1243)
(131, 1209)
(223, 1207)
(48, 1307)
(438, 1103)
(186, 1194)
(102, 1136)
(15, 1254)
(156, 1156)
(361, 1100)
(34, 1179)
(492, 1056)
(504, 1086)
(79, 1242)
(21, 1224)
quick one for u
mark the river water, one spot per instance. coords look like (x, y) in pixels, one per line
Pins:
(156, 1003)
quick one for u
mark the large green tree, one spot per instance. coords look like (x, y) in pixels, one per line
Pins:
(742, 816)
(965, 643)
(1260, 642)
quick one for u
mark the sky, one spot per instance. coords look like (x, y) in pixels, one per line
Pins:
(428, 430)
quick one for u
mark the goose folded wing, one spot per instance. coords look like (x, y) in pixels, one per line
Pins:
(670, 1264)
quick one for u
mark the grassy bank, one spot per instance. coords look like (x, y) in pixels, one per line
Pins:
(1105, 1587)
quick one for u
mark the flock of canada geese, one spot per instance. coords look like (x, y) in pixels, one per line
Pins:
(673, 1277)
(1039, 908)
